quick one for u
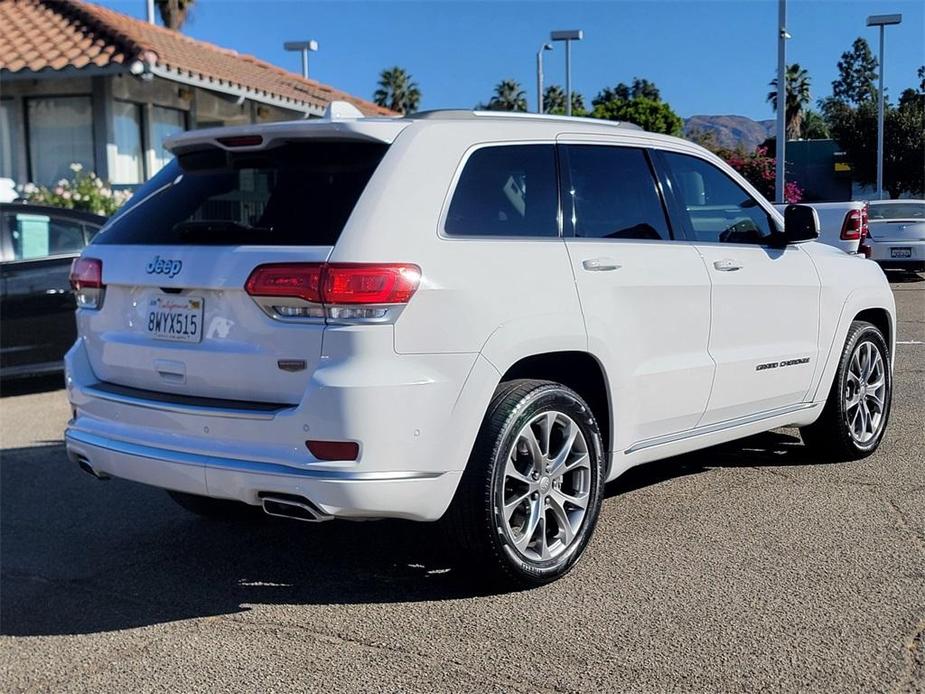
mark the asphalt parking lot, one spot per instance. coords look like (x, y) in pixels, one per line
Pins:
(747, 567)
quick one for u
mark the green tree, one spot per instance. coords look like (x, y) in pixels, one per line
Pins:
(855, 130)
(641, 104)
(554, 101)
(814, 126)
(508, 96)
(397, 91)
(857, 73)
(174, 13)
(797, 80)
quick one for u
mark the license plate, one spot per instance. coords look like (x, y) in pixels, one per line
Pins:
(900, 252)
(175, 318)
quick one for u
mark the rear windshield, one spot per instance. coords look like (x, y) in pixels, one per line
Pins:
(898, 210)
(296, 194)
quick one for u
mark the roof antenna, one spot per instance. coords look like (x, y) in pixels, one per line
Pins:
(151, 12)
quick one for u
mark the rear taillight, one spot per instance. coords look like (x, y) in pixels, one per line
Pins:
(855, 226)
(294, 280)
(340, 291)
(87, 282)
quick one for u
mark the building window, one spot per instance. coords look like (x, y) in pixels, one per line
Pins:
(164, 123)
(6, 138)
(129, 162)
(60, 134)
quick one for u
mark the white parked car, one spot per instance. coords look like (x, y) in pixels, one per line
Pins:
(897, 234)
(479, 317)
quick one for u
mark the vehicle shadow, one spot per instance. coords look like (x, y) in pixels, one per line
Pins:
(903, 277)
(84, 556)
(31, 385)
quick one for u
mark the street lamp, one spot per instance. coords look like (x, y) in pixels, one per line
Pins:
(539, 76)
(302, 47)
(881, 20)
(568, 36)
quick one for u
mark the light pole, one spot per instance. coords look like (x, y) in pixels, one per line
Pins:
(539, 76)
(568, 36)
(881, 20)
(781, 149)
(302, 47)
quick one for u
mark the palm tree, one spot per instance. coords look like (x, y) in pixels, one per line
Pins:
(554, 101)
(397, 91)
(174, 12)
(797, 80)
(509, 96)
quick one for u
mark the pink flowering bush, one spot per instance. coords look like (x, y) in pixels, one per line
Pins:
(83, 191)
(759, 169)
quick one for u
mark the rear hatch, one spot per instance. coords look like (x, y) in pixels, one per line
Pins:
(175, 316)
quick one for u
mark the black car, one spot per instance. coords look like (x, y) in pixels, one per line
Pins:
(37, 245)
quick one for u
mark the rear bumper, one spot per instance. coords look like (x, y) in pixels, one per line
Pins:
(352, 494)
(407, 412)
(882, 253)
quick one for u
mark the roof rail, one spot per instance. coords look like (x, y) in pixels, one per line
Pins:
(460, 114)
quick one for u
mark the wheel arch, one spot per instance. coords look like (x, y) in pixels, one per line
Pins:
(579, 370)
(872, 304)
(882, 319)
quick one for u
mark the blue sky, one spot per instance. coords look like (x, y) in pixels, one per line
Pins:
(707, 57)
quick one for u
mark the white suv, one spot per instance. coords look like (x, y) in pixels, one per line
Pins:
(478, 317)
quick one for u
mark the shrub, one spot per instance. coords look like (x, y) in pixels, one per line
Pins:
(83, 191)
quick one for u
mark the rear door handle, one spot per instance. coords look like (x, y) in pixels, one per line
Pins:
(600, 264)
(727, 265)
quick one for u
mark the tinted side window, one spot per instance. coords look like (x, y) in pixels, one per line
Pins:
(719, 209)
(508, 190)
(613, 194)
(40, 236)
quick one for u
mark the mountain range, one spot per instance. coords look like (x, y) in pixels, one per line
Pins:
(731, 131)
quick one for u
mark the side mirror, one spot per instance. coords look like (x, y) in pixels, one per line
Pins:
(801, 223)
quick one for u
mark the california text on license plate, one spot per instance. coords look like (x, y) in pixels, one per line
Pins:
(900, 252)
(176, 318)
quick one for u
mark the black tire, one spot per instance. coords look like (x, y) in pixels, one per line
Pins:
(475, 516)
(830, 436)
(217, 509)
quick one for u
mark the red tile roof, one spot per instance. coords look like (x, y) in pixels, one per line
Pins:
(56, 34)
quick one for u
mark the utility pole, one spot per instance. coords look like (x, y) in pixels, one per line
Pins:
(539, 76)
(781, 154)
(568, 37)
(882, 21)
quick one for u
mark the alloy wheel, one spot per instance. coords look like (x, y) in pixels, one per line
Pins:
(865, 392)
(546, 486)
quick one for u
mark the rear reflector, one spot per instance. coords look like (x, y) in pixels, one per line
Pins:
(87, 282)
(334, 450)
(337, 284)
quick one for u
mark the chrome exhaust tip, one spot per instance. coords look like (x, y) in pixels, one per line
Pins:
(293, 507)
(86, 467)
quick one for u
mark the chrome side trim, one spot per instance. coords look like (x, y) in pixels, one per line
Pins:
(236, 465)
(719, 426)
(180, 408)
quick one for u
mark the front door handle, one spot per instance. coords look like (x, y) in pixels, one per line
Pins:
(599, 264)
(727, 265)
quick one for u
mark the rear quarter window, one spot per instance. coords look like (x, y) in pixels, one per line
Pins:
(296, 194)
(506, 190)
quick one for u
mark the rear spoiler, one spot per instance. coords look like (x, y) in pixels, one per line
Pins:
(341, 122)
